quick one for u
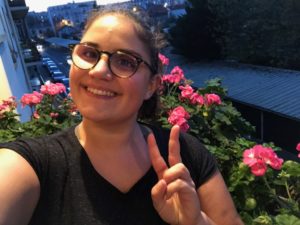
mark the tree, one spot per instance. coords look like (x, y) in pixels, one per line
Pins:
(194, 33)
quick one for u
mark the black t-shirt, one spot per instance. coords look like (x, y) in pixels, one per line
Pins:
(72, 192)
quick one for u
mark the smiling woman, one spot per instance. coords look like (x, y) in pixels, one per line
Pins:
(112, 169)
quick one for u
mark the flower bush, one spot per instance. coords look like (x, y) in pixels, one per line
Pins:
(264, 187)
(52, 110)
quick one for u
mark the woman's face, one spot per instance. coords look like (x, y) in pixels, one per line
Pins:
(101, 96)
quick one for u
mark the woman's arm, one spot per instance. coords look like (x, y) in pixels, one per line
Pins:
(216, 201)
(19, 189)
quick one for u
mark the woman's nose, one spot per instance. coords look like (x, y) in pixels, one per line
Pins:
(101, 69)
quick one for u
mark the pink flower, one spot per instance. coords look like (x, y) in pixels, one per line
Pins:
(259, 168)
(186, 91)
(9, 103)
(54, 115)
(197, 99)
(298, 149)
(179, 116)
(169, 78)
(53, 89)
(36, 115)
(211, 99)
(178, 73)
(258, 157)
(31, 99)
(164, 60)
(2, 107)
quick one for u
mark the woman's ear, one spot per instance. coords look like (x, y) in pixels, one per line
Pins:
(154, 83)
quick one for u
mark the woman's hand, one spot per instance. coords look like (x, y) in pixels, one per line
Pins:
(174, 196)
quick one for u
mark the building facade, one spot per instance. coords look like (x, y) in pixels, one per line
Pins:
(14, 78)
(71, 14)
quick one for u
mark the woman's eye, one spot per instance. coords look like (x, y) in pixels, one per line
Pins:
(90, 54)
(125, 62)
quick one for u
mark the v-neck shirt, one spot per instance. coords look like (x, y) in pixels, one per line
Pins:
(73, 192)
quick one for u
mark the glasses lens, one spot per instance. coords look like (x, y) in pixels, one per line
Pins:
(123, 64)
(85, 57)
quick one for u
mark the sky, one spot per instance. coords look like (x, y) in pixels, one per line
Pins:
(42, 5)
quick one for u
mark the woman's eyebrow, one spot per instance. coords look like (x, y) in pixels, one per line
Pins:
(92, 44)
(130, 52)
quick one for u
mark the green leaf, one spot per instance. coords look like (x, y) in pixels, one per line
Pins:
(287, 220)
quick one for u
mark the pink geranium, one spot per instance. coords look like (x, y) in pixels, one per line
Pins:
(54, 115)
(197, 99)
(186, 91)
(176, 76)
(212, 99)
(9, 103)
(53, 89)
(258, 157)
(31, 99)
(298, 149)
(179, 116)
(164, 60)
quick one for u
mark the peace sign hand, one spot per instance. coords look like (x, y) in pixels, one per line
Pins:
(174, 196)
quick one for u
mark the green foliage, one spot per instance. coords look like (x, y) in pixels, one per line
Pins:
(269, 199)
(52, 114)
(192, 35)
(262, 32)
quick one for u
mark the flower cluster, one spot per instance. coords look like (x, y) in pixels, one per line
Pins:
(31, 99)
(188, 93)
(53, 89)
(176, 76)
(179, 116)
(258, 157)
(8, 104)
(298, 149)
(176, 89)
(47, 102)
(164, 60)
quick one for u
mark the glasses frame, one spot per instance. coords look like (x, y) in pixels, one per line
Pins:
(139, 60)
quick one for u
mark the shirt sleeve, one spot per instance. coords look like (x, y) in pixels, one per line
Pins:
(201, 163)
(32, 151)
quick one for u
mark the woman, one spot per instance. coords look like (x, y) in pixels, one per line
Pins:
(110, 169)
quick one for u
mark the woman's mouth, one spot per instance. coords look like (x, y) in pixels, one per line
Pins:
(100, 92)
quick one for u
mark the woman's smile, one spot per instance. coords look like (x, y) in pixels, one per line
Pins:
(100, 92)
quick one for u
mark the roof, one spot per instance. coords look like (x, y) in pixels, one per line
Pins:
(267, 88)
(61, 41)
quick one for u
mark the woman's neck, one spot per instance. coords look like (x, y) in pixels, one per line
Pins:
(98, 136)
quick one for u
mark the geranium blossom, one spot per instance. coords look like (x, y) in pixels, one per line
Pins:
(186, 91)
(258, 157)
(31, 99)
(53, 89)
(54, 115)
(176, 76)
(164, 60)
(211, 99)
(197, 99)
(298, 149)
(9, 103)
(179, 116)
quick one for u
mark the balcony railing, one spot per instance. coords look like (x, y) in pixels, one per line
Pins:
(18, 8)
(16, 3)
(31, 54)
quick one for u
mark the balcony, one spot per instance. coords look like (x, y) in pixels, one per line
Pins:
(18, 8)
(31, 55)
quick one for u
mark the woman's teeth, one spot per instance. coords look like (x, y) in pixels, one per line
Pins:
(100, 92)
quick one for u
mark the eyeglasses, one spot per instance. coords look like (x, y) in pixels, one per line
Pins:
(120, 63)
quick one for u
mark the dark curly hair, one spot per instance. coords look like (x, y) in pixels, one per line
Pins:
(152, 38)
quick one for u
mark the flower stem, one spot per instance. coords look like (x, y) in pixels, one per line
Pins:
(287, 190)
(273, 192)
